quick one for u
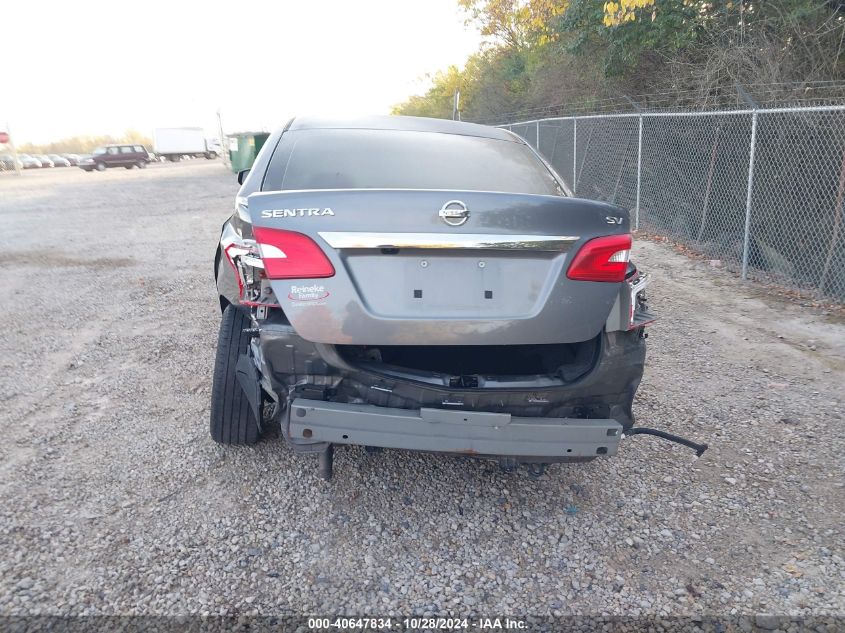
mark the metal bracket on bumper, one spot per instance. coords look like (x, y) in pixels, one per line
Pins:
(451, 431)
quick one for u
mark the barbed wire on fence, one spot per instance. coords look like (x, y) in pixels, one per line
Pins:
(763, 95)
(762, 188)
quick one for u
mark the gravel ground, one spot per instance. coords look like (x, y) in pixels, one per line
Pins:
(114, 500)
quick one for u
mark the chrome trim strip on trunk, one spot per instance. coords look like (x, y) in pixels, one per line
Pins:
(479, 241)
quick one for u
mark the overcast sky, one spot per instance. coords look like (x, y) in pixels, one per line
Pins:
(101, 67)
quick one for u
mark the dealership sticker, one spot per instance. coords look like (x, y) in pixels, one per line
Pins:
(308, 294)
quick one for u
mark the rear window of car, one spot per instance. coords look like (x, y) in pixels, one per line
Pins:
(395, 159)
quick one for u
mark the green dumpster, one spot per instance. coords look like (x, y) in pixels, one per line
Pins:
(244, 147)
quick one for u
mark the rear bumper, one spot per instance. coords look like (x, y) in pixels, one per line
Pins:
(349, 405)
(468, 432)
(287, 360)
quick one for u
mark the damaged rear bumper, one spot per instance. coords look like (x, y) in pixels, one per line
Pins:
(324, 401)
(438, 430)
(291, 368)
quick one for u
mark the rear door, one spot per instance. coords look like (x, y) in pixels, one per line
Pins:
(127, 155)
(435, 267)
(141, 153)
(112, 156)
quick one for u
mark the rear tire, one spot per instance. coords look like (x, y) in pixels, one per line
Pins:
(232, 420)
(141, 164)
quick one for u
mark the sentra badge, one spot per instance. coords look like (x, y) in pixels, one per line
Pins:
(296, 213)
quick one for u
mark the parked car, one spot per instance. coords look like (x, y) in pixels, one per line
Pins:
(59, 161)
(29, 162)
(44, 160)
(7, 162)
(424, 284)
(73, 159)
(127, 156)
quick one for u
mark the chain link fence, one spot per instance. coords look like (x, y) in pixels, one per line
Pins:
(759, 189)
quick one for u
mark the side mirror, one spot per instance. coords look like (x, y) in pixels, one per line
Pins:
(242, 174)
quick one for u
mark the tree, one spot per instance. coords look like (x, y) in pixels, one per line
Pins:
(622, 11)
(84, 144)
(516, 23)
(551, 52)
(438, 101)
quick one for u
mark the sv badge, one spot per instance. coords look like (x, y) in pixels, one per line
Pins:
(612, 219)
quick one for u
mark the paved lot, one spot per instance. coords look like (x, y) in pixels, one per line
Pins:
(113, 499)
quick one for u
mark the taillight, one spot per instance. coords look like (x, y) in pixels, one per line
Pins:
(602, 259)
(290, 255)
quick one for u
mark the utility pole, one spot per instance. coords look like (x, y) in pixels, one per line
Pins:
(456, 106)
(223, 147)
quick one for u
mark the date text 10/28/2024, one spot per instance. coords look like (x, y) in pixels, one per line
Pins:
(411, 624)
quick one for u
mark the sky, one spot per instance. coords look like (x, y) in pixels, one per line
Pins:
(102, 67)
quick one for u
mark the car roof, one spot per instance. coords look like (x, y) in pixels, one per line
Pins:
(401, 123)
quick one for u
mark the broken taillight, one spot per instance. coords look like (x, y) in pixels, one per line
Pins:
(245, 261)
(602, 259)
(291, 255)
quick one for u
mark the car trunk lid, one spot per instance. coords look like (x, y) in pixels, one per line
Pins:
(432, 267)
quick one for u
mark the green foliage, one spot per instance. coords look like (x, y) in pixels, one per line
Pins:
(438, 101)
(515, 23)
(546, 52)
(662, 28)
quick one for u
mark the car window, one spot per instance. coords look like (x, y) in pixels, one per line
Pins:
(113, 150)
(99, 151)
(387, 159)
(125, 149)
(138, 148)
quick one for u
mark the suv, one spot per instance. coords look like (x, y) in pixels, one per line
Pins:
(424, 284)
(127, 156)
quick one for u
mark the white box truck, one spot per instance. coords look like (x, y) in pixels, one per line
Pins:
(173, 143)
